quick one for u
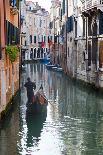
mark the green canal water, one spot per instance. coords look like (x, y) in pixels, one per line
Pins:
(73, 124)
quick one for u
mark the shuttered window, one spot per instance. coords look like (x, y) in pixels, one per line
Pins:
(48, 39)
(55, 39)
(89, 26)
(12, 34)
(69, 24)
(51, 25)
(76, 29)
(14, 3)
(94, 50)
(30, 38)
(89, 53)
(44, 38)
(83, 27)
(101, 54)
(34, 39)
(101, 23)
(63, 7)
(0, 37)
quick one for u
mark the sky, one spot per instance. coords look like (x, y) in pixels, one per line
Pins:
(44, 3)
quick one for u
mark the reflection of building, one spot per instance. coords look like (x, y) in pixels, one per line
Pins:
(34, 31)
(9, 35)
(9, 134)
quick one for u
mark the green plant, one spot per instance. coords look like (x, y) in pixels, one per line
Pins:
(12, 52)
(13, 38)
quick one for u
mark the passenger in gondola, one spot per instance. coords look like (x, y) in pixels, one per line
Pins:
(30, 86)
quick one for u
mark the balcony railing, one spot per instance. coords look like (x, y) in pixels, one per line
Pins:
(14, 6)
(23, 34)
(89, 4)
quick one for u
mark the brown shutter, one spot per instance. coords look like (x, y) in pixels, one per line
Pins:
(0, 34)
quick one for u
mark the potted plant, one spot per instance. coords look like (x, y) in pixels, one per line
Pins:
(12, 51)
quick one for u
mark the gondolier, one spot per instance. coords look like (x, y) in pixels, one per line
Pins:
(30, 86)
(39, 103)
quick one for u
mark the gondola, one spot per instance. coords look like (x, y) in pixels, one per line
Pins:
(39, 102)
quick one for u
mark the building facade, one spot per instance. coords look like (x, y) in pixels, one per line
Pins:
(9, 36)
(55, 28)
(81, 32)
(35, 31)
(88, 25)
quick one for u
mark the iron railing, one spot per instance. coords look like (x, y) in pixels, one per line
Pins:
(88, 4)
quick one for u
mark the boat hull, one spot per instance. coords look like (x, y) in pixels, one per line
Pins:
(39, 104)
(36, 108)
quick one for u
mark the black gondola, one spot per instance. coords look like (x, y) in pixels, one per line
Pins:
(39, 102)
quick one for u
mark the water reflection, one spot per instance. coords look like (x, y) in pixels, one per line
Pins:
(34, 128)
(73, 124)
(74, 118)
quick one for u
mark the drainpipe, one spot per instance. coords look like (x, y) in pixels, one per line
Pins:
(20, 55)
(54, 43)
(66, 37)
(3, 77)
(86, 44)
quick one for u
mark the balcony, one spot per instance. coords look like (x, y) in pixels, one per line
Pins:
(14, 6)
(90, 4)
(23, 34)
(14, 10)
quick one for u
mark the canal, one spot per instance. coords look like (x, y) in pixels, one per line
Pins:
(73, 124)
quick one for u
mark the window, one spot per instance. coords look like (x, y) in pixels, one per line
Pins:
(14, 3)
(83, 27)
(89, 26)
(34, 52)
(68, 51)
(31, 53)
(69, 24)
(89, 53)
(40, 22)
(25, 42)
(63, 7)
(101, 54)
(51, 25)
(38, 38)
(34, 39)
(34, 21)
(30, 38)
(94, 50)
(75, 29)
(55, 39)
(59, 12)
(44, 38)
(101, 23)
(48, 39)
(13, 31)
